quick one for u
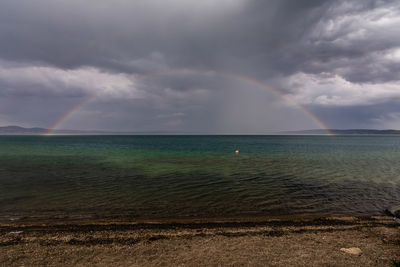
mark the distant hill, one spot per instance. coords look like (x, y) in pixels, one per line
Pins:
(343, 132)
(22, 130)
(36, 130)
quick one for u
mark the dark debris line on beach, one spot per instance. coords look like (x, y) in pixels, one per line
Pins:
(71, 227)
(277, 228)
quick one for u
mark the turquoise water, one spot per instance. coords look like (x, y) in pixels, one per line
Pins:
(148, 177)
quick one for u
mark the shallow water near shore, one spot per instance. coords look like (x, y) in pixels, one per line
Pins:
(197, 176)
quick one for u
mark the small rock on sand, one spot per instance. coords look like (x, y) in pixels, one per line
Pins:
(15, 232)
(354, 251)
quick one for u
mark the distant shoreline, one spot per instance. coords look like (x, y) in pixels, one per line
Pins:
(17, 130)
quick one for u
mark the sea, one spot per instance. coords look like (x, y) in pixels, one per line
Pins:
(147, 177)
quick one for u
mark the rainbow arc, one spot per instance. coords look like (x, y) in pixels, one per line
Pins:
(239, 77)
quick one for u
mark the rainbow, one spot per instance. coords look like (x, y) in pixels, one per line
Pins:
(239, 77)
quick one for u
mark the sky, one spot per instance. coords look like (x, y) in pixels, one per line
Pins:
(226, 66)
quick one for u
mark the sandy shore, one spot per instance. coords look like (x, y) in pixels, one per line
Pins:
(256, 242)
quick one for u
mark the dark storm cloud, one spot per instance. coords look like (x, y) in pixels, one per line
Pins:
(74, 49)
(256, 36)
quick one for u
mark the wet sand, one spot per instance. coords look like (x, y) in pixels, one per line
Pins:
(310, 241)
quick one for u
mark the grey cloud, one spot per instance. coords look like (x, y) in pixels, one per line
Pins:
(379, 116)
(25, 80)
(352, 43)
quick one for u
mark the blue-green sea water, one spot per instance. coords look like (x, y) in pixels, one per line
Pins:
(154, 177)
